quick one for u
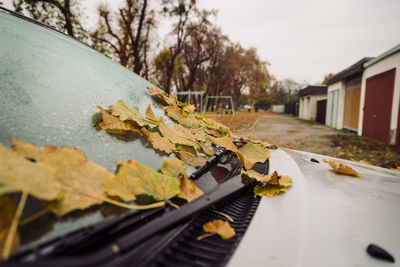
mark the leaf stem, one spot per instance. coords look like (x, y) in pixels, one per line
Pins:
(223, 214)
(135, 207)
(14, 225)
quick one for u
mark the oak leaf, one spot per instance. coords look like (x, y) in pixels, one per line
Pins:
(82, 181)
(124, 113)
(112, 124)
(341, 168)
(154, 184)
(18, 174)
(220, 227)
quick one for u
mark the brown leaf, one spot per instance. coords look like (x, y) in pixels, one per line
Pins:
(159, 142)
(154, 184)
(213, 132)
(112, 124)
(177, 134)
(220, 227)
(7, 211)
(175, 113)
(341, 168)
(188, 108)
(189, 155)
(274, 178)
(81, 180)
(225, 142)
(18, 174)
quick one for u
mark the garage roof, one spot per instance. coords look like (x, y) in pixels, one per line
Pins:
(353, 69)
(382, 56)
(313, 90)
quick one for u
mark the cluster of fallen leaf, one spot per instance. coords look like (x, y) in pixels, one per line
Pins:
(65, 180)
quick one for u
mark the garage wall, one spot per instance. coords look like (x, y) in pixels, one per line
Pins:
(338, 123)
(385, 64)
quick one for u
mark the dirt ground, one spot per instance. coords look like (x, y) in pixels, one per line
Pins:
(291, 132)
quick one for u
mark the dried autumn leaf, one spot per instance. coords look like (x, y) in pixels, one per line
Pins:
(175, 113)
(269, 190)
(162, 95)
(7, 212)
(188, 108)
(225, 142)
(81, 180)
(206, 150)
(273, 179)
(177, 134)
(123, 186)
(214, 125)
(189, 155)
(213, 132)
(175, 168)
(112, 124)
(255, 152)
(199, 135)
(124, 112)
(159, 142)
(220, 227)
(150, 115)
(154, 184)
(341, 168)
(19, 174)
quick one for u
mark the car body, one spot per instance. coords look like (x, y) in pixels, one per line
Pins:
(50, 86)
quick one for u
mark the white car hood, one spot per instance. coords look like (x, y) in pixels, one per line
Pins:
(325, 219)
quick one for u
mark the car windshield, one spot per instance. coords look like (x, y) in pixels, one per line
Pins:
(50, 86)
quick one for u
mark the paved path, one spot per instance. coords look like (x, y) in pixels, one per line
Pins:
(287, 131)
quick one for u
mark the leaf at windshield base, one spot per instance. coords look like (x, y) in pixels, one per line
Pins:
(7, 210)
(22, 173)
(341, 168)
(82, 181)
(154, 184)
(159, 142)
(255, 152)
(188, 154)
(220, 227)
(269, 190)
(112, 124)
(273, 179)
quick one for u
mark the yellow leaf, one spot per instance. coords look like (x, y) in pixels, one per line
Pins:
(82, 181)
(159, 142)
(19, 174)
(341, 168)
(154, 184)
(173, 167)
(254, 153)
(131, 114)
(189, 121)
(273, 179)
(112, 124)
(150, 115)
(269, 190)
(123, 186)
(188, 108)
(225, 142)
(7, 211)
(162, 95)
(220, 227)
(177, 134)
(189, 155)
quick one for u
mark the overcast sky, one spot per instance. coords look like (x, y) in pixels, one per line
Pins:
(304, 40)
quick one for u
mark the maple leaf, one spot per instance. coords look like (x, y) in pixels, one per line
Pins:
(175, 113)
(175, 168)
(168, 100)
(112, 124)
(341, 168)
(274, 178)
(269, 190)
(220, 227)
(18, 174)
(177, 134)
(154, 184)
(189, 155)
(124, 112)
(81, 180)
(7, 211)
(159, 142)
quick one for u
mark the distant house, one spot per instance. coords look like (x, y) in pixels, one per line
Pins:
(344, 91)
(312, 103)
(380, 95)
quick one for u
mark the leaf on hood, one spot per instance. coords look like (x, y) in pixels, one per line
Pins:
(188, 154)
(112, 124)
(125, 113)
(123, 185)
(7, 211)
(154, 184)
(175, 168)
(274, 178)
(177, 134)
(168, 100)
(269, 190)
(159, 142)
(254, 153)
(220, 227)
(341, 168)
(175, 113)
(19, 174)
(150, 115)
(82, 181)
